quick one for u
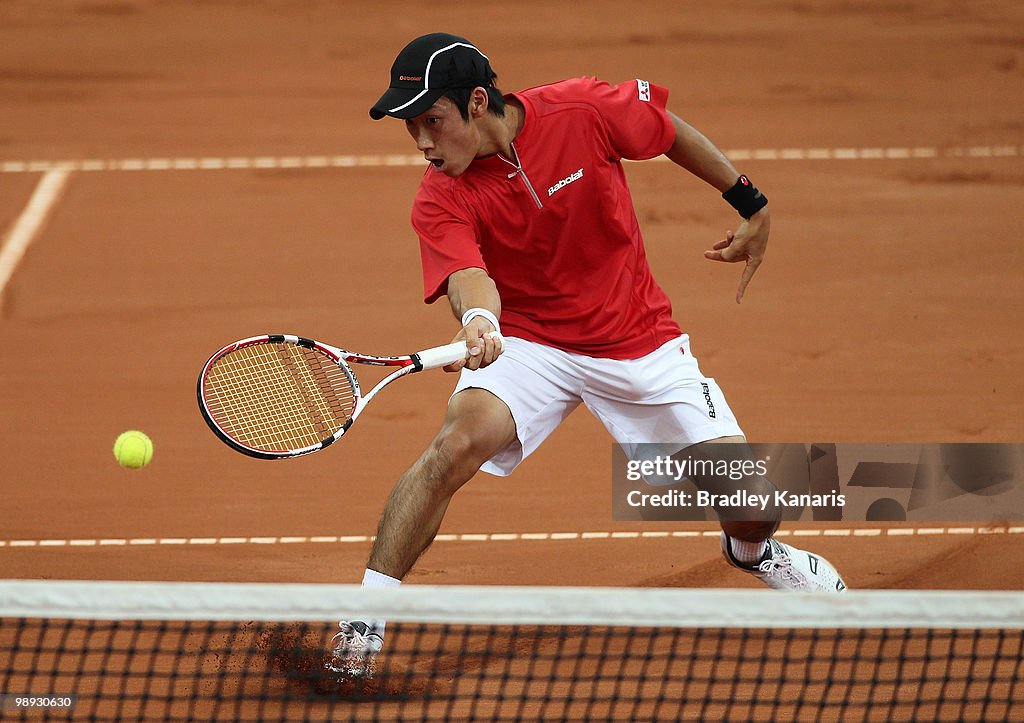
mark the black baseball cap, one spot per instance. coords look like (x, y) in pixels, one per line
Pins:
(426, 68)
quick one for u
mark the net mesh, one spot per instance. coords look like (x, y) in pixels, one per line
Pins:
(202, 652)
(278, 396)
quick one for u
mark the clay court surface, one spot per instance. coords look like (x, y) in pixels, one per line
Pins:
(887, 135)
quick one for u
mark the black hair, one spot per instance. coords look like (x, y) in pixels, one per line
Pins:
(460, 97)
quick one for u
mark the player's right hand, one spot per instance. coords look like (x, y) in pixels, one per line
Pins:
(485, 344)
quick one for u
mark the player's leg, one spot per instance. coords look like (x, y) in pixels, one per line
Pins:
(496, 417)
(747, 541)
(662, 402)
(749, 526)
(476, 427)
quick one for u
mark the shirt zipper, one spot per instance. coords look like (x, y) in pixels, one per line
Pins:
(522, 174)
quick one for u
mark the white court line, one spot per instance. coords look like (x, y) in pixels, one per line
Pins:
(27, 225)
(503, 537)
(398, 160)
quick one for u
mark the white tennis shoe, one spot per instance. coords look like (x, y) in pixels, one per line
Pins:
(788, 568)
(354, 650)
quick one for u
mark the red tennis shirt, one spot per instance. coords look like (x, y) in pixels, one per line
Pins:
(559, 237)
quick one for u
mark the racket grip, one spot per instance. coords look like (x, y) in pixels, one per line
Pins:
(440, 356)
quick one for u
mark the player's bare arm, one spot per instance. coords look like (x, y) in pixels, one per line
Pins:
(698, 155)
(470, 289)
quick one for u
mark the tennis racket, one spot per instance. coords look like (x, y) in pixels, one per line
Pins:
(278, 396)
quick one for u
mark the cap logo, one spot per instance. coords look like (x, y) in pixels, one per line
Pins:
(416, 78)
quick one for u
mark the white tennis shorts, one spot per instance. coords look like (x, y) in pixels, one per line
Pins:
(661, 398)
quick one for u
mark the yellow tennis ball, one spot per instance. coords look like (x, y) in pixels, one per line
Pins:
(133, 449)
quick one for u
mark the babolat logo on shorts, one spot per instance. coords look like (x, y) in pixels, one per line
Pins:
(644, 90)
(572, 178)
(707, 398)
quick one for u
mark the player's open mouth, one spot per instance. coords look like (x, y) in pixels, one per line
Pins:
(436, 162)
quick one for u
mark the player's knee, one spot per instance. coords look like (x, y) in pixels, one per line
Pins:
(452, 447)
(477, 427)
(455, 455)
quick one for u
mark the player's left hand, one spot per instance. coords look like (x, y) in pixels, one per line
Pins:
(747, 244)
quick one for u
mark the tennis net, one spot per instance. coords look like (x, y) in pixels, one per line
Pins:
(114, 651)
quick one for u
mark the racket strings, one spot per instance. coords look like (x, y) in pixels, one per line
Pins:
(279, 396)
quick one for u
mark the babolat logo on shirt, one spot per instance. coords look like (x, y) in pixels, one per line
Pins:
(644, 90)
(565, 182)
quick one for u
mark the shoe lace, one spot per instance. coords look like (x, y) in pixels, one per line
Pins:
(348, 640)
(783, 567)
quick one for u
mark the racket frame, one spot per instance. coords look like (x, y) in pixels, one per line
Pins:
(405, 365)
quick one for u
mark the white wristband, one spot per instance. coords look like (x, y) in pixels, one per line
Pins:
(477, 311)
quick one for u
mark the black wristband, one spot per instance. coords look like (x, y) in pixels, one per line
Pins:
(745, 197)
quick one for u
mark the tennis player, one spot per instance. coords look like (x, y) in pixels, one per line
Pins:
(527, 225)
